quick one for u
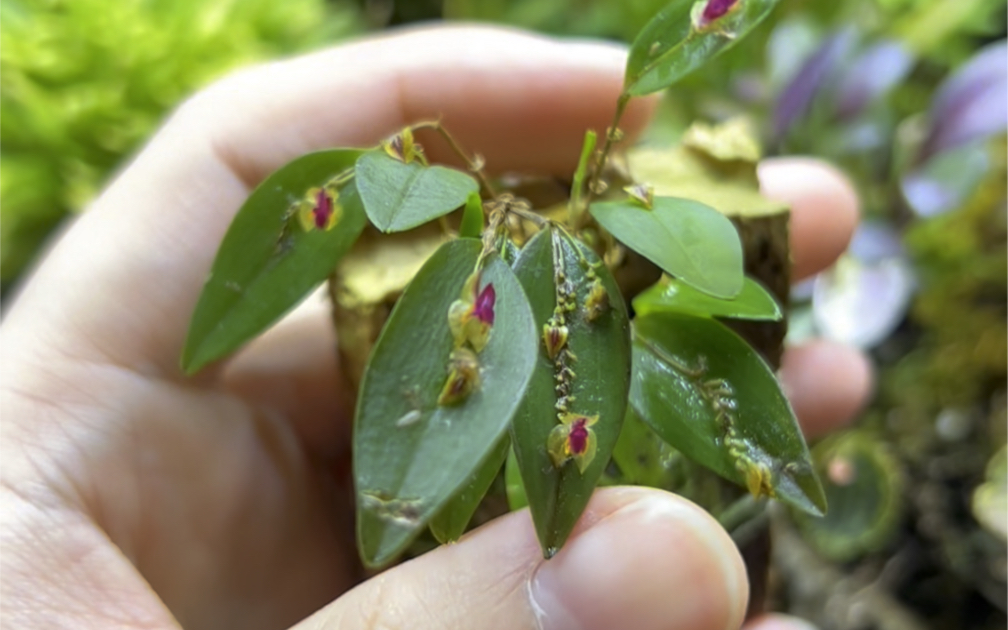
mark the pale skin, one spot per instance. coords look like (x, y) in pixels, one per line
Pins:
(134, 497)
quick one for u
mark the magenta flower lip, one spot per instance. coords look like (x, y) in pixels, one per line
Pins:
(323, 209)
(578, 438)
(483, 310)
(716, 9)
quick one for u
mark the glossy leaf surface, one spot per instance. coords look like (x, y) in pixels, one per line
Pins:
(451, 522)
(687, 239)
(642, 457)
(598, 386)
(398, 196)
(412, 455)
(266, 263)
(689, 374)
(670, 295)
(683, 36)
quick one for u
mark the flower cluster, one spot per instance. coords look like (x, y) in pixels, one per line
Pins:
(470, 319)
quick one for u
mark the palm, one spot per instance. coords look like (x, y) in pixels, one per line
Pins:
(234, 522)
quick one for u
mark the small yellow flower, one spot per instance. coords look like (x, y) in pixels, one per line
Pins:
(573, 439)
(597, 302)
(471, 317)
(555, 338)
(463, 377)
(320, 210)
(404, 148)
(642, 194)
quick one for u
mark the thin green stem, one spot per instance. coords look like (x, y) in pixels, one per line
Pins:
(613, 135)
(474, 163)
(577, 206)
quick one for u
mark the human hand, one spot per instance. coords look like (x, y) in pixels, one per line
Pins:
(135, 497)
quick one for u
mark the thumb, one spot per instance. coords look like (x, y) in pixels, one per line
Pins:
(639, 559)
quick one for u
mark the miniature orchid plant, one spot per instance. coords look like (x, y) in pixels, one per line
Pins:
(511, 353)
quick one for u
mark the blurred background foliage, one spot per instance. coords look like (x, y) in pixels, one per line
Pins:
(907, 96)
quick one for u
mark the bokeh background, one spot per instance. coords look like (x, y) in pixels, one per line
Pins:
(909, 97)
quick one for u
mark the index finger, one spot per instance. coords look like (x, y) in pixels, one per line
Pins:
(128, 275)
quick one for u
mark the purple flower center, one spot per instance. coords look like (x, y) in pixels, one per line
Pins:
(323, 209)
(578, 437)
(483, 310)
(716, 9)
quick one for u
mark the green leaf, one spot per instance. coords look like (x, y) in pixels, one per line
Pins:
(642, 457)
(412, 455)
(513, 484)
(472, 217)
(398, 196)
(451, 522)
(507, 249)
(711, 396)
(689, 240)
(670, 295)
(557, 496)
(678, 40)
(266, 263)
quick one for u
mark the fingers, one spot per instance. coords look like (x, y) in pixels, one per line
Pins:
(640, 558)
(778, 622)
(129, 273)
(827, 383)
(824, 209)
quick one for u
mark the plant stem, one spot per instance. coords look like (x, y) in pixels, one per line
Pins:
(475, 163)
(613, 135)
(576, 206)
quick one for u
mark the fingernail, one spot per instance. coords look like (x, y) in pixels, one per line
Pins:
(780, 622)
(659, 562)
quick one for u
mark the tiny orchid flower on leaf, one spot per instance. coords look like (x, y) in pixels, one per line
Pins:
(707, 12)
(471, 317)
(573, 439)
(320, 210)
(642, 194)
(404, 148)
(463, 377)
(555, 338)
(597, 302)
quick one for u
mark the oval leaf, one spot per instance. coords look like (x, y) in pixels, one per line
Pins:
(597, 384)
(711, 396)
(451, 522)
(683, 36)
(411, 455)
(670, 295)
(398, 195)
(267, 263)
(687, 239)
(641, 456)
